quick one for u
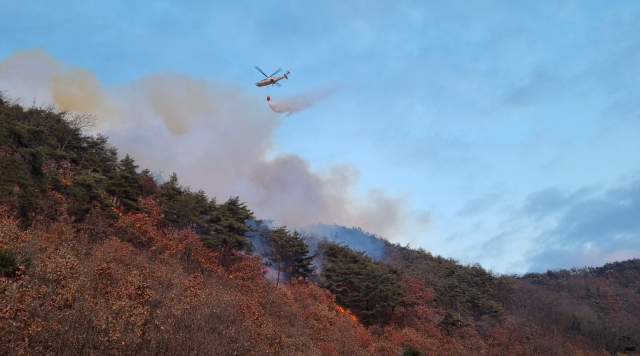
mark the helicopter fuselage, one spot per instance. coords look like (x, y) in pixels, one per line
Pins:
(272, 80)
(268, 81)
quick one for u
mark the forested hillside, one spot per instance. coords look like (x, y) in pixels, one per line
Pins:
(99, 257)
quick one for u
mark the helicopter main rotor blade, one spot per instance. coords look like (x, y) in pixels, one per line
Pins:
(260, 70)
(277, 84)
(276, 72)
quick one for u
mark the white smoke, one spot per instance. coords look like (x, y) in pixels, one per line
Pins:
(297, 103)
(216, 137)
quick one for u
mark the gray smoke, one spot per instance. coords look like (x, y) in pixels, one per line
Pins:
(355, 238)
(216, 138)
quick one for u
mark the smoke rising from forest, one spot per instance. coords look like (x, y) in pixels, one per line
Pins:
(293, 104)
(216, 137)
(357, 239)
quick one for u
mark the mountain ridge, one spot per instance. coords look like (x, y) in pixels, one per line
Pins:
(99, 257)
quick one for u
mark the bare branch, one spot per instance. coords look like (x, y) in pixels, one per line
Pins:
(80, 121)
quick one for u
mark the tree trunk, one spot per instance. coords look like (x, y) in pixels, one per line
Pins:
(278, 279)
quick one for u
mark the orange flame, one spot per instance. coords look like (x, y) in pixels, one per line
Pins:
(217, 269)
(347, 313)
(65, 181)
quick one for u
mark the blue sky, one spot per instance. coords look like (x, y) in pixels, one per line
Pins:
(515, 125)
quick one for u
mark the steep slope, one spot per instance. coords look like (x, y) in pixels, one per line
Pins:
(97, 257)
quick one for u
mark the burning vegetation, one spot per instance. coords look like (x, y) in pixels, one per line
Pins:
(109, 261)
(347, 313)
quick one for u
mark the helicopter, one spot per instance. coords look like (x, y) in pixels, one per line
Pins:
(270, 79)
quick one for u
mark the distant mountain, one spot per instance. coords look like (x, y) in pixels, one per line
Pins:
(354, 237)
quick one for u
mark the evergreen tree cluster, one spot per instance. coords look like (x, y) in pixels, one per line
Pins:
(47, 162)
(43, 150)
(289, 254)
(469, 291)
(368, 288)
(11, 264)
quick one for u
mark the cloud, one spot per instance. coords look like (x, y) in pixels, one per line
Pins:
(590, 229)
(608, 217)
(553, 200)
(540, 84)
(609, 74)
(216, 137)
(543, 202)
(479, 205)
(554, 258)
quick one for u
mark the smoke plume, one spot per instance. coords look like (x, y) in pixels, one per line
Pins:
(216, 137)
(294, 104)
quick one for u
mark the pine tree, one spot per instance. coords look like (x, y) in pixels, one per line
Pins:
(229, 229)
(587, 292)
(10, 263)
(184, 209)
(369, 289)
(125, 186)
(170, 193)
(412, 351)
(148, 183)
(298, 263)
(289, 254)
(84, 190)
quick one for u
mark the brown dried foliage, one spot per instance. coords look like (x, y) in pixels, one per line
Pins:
(141, 289)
